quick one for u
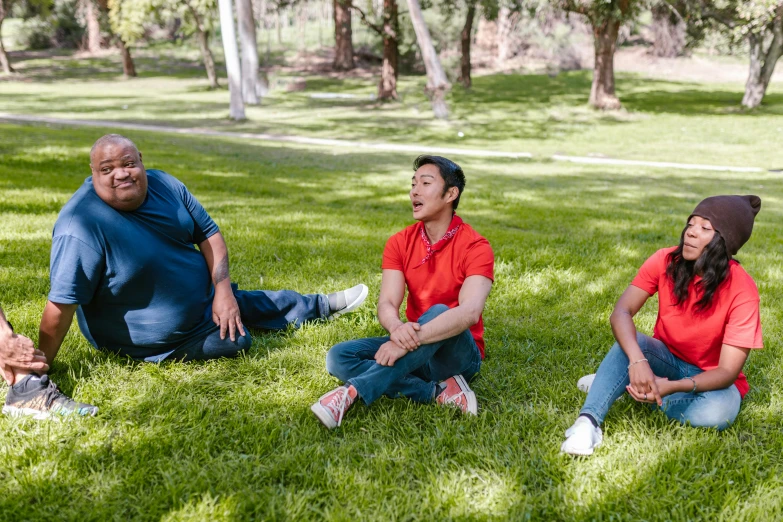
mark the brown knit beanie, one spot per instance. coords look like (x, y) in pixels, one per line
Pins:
(732, 216)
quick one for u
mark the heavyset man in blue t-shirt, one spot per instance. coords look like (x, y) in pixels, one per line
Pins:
(124, 262)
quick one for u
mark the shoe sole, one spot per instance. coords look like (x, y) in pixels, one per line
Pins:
(323, 415)
(13, 411)
(584, 384)
(578, 453)
(469, 394)
(353, 305)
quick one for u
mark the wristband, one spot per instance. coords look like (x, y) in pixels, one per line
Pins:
(694, 384)
(640, 360)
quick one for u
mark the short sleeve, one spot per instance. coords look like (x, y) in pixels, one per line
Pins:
(743, 326)
(480, 260)
(205, 226)
(392, 255)
(649, 275)
(75, 270)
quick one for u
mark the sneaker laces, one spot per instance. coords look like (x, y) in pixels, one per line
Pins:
(52, 394)
(337, 404)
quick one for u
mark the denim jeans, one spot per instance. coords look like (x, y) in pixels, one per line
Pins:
(260, 309)
(711, 409)
(414, 375)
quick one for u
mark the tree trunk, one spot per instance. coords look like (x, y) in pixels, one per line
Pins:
(343, 37)
(236, 106)
(128, 68)
(466, 37)
(91, 16)
(505, 27)
(4, 61)
(206, 55)
(247, 40)
(668, 32)
(387, 88)
(762, 63)
(437, 84)
(602, 94)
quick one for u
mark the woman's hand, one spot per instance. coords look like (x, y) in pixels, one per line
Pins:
(644, 384)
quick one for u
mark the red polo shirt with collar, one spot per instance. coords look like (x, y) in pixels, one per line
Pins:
(439, 279)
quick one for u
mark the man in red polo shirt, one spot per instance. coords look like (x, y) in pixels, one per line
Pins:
(448, 270)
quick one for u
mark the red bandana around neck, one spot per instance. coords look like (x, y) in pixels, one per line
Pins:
(456, 222)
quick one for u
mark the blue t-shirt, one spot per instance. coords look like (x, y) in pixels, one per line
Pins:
(142, 286)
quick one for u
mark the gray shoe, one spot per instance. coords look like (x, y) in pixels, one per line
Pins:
(347, 301)
(40, 399)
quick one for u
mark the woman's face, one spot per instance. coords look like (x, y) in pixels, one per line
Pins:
(698, 235)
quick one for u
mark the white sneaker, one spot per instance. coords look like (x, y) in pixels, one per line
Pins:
(582, 438)
(347, 301)
(585, 382)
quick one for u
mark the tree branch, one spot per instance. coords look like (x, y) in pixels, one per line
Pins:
(377, 28)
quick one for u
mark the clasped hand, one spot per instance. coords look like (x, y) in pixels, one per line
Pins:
(645, 385)
(406, 336)
(225, 314)
(17, 352)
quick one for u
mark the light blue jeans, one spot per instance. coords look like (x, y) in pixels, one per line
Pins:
(711, 409)
(414, 375)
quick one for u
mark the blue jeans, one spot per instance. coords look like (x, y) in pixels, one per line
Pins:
(414, 375)
(260, 309)
(711, 409)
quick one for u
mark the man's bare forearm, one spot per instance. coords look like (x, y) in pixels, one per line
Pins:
(215, 253)
(388, 316)
(448, 324)
(55, 322)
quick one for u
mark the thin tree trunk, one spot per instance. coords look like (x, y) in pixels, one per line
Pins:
(206, 55)
(247, 39)
(4, 61)
(236, 106)
(466, 37)
(602, 94)
(437, 84)
(93, 26)
(669, 31)
(762, 64)
(387, 88)
(128, 67)
(203, 42)
(504, 28)
(343, 37)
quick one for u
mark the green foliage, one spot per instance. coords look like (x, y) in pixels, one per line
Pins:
(600, 11)
(53, 24)
(131, 18)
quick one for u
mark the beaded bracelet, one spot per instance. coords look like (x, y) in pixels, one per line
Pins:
(694, 384)
(640, 360)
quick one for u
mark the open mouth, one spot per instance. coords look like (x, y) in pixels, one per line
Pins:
(417, 206)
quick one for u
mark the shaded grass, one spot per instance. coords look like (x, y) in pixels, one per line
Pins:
(663, 120)
(234, 439)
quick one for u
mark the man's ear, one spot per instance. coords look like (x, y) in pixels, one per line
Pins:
(451, 194)
(140, 159)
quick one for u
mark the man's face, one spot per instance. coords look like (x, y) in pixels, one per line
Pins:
(118, 175)
(427, 195)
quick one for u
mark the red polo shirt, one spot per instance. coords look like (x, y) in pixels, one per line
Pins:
(697, 337)
(439, 279)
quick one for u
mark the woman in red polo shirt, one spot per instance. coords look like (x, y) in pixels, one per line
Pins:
(708, 321)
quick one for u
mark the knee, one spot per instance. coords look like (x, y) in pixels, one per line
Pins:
(335, 358)
(433, 312)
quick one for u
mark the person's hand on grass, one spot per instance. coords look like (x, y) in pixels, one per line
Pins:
(643, 387)
(406, 336)
(17, 352)
(389, 353)
(225, 314)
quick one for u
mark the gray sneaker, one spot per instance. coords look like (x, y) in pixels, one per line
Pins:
(42, 400)
(347, 301)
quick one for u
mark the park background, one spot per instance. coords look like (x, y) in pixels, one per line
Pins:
(576, 174)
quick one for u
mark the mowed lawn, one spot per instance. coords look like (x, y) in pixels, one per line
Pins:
(235, 439)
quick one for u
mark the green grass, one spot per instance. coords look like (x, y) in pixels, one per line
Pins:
(235, 440)
(663, 120)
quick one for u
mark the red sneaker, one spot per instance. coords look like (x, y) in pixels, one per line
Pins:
(331, 407)
(459, 394)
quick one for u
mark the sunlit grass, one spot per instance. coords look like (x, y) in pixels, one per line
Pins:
(235, 440)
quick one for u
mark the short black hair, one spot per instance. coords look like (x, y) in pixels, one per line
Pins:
(450, 172)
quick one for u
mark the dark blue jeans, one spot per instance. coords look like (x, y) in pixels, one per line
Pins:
(711, 409)
(260, 309)
(414, 375)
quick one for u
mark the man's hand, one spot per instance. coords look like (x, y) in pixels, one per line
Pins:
(388, 353)
(17, 352)
(225, 314)
(406, 336)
